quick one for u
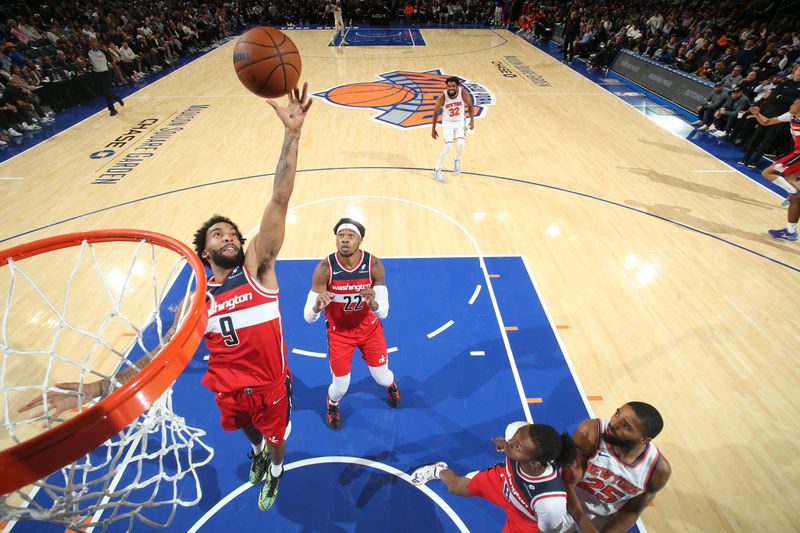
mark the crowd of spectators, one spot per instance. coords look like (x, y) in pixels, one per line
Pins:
(320, 12)
(45, 49)
(749, 51)
(45, 64)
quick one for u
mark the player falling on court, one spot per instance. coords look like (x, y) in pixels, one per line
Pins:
(247, 367)
(528, 485)
(338, 23)
(622, 469)
(453, 103)
(350, 285)
(786, 165)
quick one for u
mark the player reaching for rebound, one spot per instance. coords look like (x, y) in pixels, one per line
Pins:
(528, 485)
(622, 469)
(453, 103)
(247, 367)
(350, 285)
(338, 23)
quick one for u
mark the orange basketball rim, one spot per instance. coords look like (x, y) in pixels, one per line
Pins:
(39, 456)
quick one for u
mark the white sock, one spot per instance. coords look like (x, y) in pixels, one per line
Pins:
(276, 469)
(791, 228)
(781, 182)
(442, 155)
(258, 448)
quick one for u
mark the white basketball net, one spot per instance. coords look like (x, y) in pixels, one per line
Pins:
(79, 330)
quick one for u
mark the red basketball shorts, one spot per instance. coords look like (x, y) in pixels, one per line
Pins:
(267, 408)
(488, 484)
(342, 343)
(789, 164)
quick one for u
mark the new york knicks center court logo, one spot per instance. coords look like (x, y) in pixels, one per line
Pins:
(403, 98)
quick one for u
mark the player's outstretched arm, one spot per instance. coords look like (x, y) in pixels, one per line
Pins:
(260, 256)
(59, 402)
(624, 519)
(435, 118)
(764, 121)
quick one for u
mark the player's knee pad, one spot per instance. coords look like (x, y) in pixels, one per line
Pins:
(338, 387)
(460, 145)
(382, 375)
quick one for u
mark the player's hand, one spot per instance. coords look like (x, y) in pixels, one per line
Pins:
(754, 109)
(369, 298)
(323, 300)
(434, 134)
(58, 402)
(293, 114)
(499, 443)
(471, 124)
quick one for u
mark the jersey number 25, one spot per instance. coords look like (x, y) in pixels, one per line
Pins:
(604, 493)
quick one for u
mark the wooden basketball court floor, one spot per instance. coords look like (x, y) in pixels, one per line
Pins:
(650, 254)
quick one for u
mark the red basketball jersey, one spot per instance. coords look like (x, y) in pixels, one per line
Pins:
(348, 309)
(244, 334)
(794, 127)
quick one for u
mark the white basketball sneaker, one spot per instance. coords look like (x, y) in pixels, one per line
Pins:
(423, 474)
(457, 167)
(437, 175)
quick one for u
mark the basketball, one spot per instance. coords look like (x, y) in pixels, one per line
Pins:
(371, 94)
(267, 62)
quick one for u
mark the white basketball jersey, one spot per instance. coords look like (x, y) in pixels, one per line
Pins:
(608, 482)
(453, 109)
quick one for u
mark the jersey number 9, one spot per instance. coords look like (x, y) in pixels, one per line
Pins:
(228, 331)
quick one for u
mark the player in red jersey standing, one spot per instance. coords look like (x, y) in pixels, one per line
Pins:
(350, 285)
(247, 368)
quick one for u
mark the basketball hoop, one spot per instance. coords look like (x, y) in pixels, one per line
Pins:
(119, 427)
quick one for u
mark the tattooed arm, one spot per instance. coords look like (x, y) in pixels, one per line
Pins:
(260, 256)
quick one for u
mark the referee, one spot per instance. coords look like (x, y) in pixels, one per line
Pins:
(102, 76)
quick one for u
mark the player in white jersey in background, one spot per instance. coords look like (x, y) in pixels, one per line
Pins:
(453, 102)
(622, 469)
(338, 23)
